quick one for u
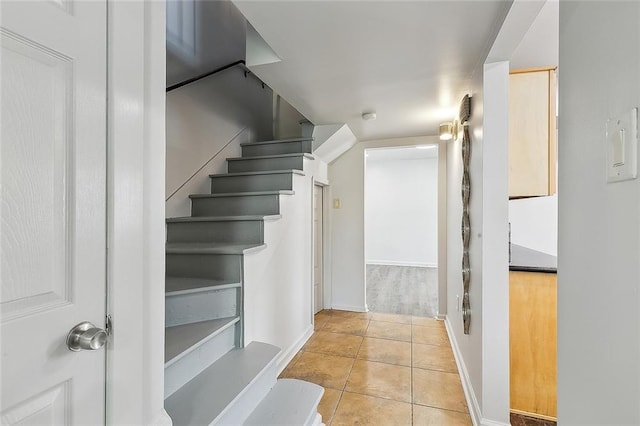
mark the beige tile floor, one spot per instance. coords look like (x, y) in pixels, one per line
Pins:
(382, 369)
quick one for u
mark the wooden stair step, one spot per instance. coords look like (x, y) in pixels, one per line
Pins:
(211, 248)
(183, 339)
(284, 146)
(242, 194)
(219, 389)
(262, 162)
(187, 219)
(290, 402)
(263, 157)
(184, 285)
(276, 141)
(258, 173)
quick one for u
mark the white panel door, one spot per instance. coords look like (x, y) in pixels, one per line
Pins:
(52, 215)
(318, 304)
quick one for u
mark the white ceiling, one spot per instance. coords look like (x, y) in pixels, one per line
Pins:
(410, 62)
(540, 46)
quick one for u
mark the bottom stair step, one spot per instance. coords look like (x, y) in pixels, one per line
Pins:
(191, 348)
(228, 390)
(290, 402)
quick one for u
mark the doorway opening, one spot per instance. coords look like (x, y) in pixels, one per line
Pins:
(401, 230)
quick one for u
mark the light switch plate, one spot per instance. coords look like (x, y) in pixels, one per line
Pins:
(622, 147)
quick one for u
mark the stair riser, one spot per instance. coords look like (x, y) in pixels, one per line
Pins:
(225, 267)
(234, 206)
(186, 368)
(201, 306)
(265, 164)
(276, 148)
(275, 182)
(233, 232)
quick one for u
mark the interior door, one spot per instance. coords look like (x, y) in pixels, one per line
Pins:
(52, 216)
(318, 304)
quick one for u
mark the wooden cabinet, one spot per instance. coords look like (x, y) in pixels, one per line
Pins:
(533, 343)
(532, 132)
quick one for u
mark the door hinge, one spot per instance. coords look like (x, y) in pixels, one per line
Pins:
(108, 326)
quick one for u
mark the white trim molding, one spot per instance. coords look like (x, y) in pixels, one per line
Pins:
(472, 402)
(285, 357)
(135, 211)
(353, 308)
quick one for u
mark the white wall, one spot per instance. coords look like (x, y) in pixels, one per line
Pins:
(468, 348)
(599, 225)
(401, 211)
(278, 279)
(206, 122)
(534, 223)
(483, 354)
(202, 36)
(346, 175)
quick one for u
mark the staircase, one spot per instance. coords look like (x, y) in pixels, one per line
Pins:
(210, 376)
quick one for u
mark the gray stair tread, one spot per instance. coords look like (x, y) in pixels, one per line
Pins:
(222, 218)
(205, 397)
(182, 339)
(243, 194)
(260, 173)
(183, 285)
(210, 248)
(277, 141)
(260, 157)
(290, 402)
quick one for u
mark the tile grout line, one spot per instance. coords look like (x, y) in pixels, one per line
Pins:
(335, 411)
(412, 367)
(412, 400)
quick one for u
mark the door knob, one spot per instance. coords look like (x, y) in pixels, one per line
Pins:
(86, 336)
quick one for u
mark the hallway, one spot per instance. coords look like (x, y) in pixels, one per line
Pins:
(382, 369)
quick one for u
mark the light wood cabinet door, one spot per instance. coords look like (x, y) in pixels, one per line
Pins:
(533, 343)
(532, 133)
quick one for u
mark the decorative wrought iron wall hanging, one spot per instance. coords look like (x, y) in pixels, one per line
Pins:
(465, 114)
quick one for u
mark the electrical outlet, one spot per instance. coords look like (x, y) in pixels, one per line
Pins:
(336, 203)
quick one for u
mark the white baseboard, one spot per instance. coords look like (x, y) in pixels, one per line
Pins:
(398, 263)
(472, 402)
(285, 357)
(353, 308)
(441, 317)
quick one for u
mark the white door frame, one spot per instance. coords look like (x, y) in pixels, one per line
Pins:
(321, 188)
(135, 204)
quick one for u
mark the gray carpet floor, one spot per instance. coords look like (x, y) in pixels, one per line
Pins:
(403, 290)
